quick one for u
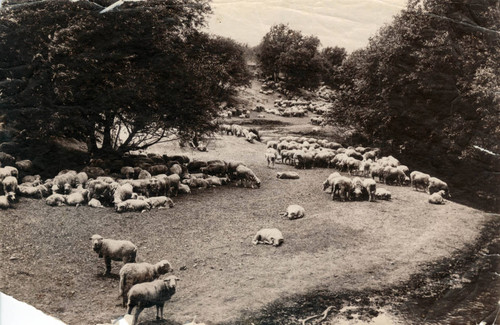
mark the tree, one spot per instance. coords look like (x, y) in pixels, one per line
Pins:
(286, 51)
(121, 80)
(332, 58)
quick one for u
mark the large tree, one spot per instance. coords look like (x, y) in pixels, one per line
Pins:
(286, 51)
(120, 80)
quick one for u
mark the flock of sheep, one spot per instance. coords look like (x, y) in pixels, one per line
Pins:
(303, 152)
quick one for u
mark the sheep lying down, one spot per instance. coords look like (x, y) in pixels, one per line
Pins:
(287, 175)
(294, 211)
(270, 236)
(437, 198)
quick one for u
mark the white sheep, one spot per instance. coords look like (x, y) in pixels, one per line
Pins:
(122, 193)
(294, 211)
(287, 175)
(149, 294)
(436, 185)
(382, 194)
(160, 202)
(371, 187)
(11, 171)
(56, 199)
(271, 236)
(9, 184)
(113, 250)
(184, 189)
(245, 175)
(132, 205)
(77, 198)
(437, 197)
(133, 273)
(95, 203)
(6, 200)
(271, 156)
(32, 191)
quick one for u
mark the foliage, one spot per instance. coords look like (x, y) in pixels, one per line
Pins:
(124, 79)
(332, 58)
(286, 51)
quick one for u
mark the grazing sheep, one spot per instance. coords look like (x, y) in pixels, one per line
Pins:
(330, 180)
(437, 197)
(357, 190)
(134, 273)
(149, 294)
(9, 184)
(436, 185)
(245, 175)
(370, 187)
(419, 180)
(382, 194)
(113, 250)
(95, 203)
(271, 236)
(6, 200)
(132, 205)
(287, 175)
(56, 199)
(341, 187)
(294, 211)
(393, 175)
(160, 202)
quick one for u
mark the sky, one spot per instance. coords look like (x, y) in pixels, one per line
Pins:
(344, 23)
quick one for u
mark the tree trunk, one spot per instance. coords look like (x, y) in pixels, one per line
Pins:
(107, 145)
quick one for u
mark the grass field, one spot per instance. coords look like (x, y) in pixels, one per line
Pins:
(48, 262)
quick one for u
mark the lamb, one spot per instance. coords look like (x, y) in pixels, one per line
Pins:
(435, 185)
(113, 250)
(287, 175)
(149, 294)
(294, 211)
(160, 202)
(132, 205)
(271, 236)
(419, 180)
(382, 194)
(437, 197)
(370, 187)
(246, 175)
(56, 199)
(9, 184)
(6, 200)
(95, 203)
(134, 273)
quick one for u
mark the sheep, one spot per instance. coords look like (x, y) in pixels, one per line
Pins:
(271, 236)
(82, 178)
(215, 168)
(330, 180)
(158, 169)
(271, 156)
(184, 189)
(382, 194)
(113, 250)
(64, 181)
(419, 180)
(370, 187)
(144, 174)
(245, 175)
(342, 187)
(100, 190)
(435, 185)
(160, 202)
(9, 171)
(95, 203)
(149, 294)
(176, 169)
(32, 191)
(134, 273)
(127, 172)
(437, 197)
(9, 184)
(272, 144)
(34, 180)
(6, 159)
(357, 189)
(250, 137)
(56, 199)
(94, 172)
(294, 211)
(6, 200)
(196, 182)
(214, 181)
(122, 192)
(131, 205)
(287, 175)
(77, 197)
(393, 175)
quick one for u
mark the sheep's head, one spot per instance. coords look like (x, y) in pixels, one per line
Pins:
(163, 267)
(67, 188)
(120, 207)
(276, 241)
(278, 175)
(11, 197)
(257, 182)
(96, 243)
(170, 203)
(171, 281)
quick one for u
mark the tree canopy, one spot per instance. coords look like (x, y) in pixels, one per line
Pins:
(121, 80)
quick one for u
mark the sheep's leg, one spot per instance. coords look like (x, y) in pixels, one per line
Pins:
(159, 308)
(108, 265)
(136, 315)
(130, 307)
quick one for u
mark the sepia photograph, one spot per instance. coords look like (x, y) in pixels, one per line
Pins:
(253, 162)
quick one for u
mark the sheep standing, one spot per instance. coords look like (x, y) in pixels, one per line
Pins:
(271, 156)
(149, 294)
(419, 180)
(370, 187)
(133, 273)
(113, 250)
(245, 175)
(271, 236)
(436, 185)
